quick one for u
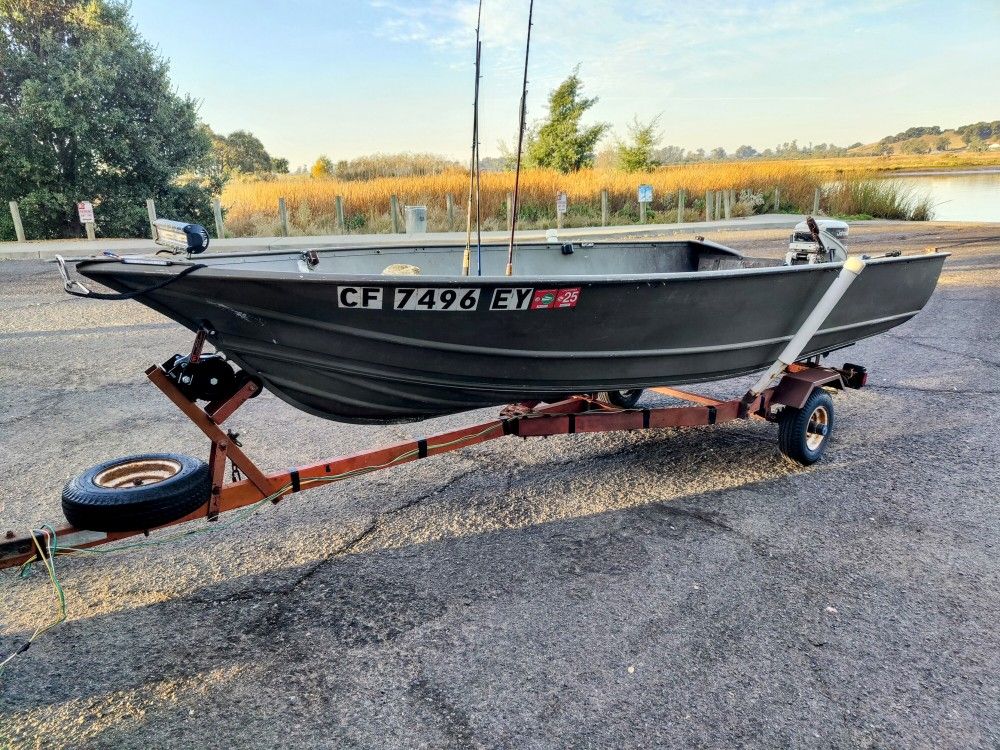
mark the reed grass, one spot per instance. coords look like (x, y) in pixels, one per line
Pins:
(850, 189)
(883, 199)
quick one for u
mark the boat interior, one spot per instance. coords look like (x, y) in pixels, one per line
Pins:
(537, 260)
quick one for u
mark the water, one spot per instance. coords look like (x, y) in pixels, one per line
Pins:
(958, 196)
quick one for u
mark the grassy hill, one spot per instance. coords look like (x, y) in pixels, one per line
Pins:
(981, 136)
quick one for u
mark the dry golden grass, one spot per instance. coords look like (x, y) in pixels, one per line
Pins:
(252, 204)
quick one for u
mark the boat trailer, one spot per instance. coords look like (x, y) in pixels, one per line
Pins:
(130, 496)
(798, 402)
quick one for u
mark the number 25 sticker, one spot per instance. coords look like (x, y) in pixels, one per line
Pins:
(549, 299)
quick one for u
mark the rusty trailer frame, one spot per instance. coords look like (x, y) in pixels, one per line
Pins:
(577, 414)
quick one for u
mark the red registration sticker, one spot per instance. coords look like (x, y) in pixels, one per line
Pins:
(548, 299)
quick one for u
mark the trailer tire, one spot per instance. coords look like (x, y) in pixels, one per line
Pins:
(803, 434)
(622, 399)
(136, 493)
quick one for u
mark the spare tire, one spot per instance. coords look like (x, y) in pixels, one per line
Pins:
(136, 493)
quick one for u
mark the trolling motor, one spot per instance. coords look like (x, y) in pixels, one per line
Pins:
(817, 242)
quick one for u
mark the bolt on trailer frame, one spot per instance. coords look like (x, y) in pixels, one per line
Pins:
(577, 414)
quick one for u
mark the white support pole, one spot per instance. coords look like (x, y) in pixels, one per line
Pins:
(151, 212)
(220, 228)
(853, 266)
(15, 214)
(283, 216)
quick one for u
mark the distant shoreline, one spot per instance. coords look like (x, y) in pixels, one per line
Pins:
(932, 171)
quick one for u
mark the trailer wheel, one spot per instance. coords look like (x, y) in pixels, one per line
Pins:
(621, 399)
(804, 433)
(136, 493)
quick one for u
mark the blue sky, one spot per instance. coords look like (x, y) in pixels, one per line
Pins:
(348, 78)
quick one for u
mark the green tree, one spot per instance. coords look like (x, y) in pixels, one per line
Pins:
(241, 152)
(322, 169)
(279, 165)
(87, 112)
(637, 155)
(562, 142)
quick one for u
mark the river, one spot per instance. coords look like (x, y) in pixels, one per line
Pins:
(959, 195)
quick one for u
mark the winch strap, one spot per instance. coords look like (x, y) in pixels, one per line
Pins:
(138, 292)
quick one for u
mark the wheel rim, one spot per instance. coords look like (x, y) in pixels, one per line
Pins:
(819, 425)
(138, 473)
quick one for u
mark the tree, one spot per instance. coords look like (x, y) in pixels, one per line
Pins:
(87, 112)
(717, 153)
(242, 152)
(746, 152)
(562, 142)
(322, 169)
(279, 166)
(637, 155)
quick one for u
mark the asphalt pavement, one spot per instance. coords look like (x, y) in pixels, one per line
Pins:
(677, 588)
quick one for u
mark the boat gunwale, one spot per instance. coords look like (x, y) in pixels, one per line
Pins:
(216, 272)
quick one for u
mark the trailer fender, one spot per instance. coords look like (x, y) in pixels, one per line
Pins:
(795, 388)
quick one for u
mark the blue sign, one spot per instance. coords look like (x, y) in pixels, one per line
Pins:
(645, 194)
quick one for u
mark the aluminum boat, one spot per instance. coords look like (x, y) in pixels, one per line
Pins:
(388, 334)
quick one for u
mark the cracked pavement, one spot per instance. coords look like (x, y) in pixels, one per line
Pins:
(677, 588)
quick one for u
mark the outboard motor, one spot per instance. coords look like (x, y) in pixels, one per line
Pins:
(815, 241)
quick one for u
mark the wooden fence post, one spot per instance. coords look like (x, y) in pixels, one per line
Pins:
(394, 213)
(151, 213)
(449, 203)
(604, 208)
(91, 234)
(15, 214)
(220, 228)
(718, 205)
(709, 208)
(727, 204)
(283, 216)
(816, 202)
(339, 203)
(680, 206)
(777, 199)
(510, 211)
(642, 212)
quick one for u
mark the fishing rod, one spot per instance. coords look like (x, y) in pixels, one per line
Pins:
(479, 205)
(474, 162)
(520, 145)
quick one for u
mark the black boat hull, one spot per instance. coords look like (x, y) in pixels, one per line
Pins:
(347, 356)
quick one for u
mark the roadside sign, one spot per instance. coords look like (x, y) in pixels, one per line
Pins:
(562, 201)
(645, 194)
(86, 211)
